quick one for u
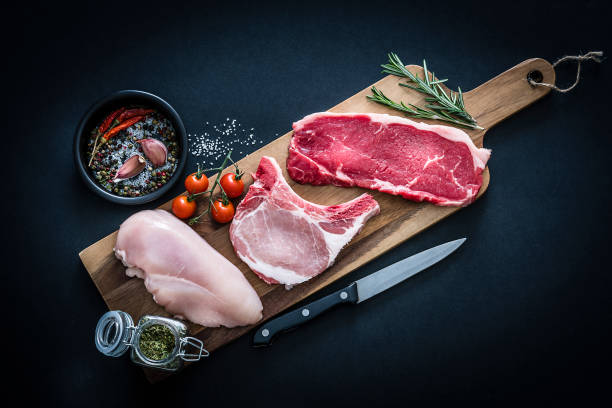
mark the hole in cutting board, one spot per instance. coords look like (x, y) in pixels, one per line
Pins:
(535, 76)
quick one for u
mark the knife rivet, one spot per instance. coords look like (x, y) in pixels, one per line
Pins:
(343, 295)
(265, 332)
(305, 312)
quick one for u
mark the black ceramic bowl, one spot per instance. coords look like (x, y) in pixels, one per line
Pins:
(98, 112)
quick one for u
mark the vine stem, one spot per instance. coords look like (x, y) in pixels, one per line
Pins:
(219, 169)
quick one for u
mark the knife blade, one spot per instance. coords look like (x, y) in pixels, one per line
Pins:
(357, 291)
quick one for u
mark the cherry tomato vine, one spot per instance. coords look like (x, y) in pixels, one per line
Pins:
(220, 207)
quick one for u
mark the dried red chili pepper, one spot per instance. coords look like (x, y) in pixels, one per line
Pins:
(123, 125)
(130, 113)
(106, 123)
(109, 120)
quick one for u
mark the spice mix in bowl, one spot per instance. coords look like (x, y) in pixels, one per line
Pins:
(130, 147)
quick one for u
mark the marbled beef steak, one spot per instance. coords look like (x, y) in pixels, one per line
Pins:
(391, 154)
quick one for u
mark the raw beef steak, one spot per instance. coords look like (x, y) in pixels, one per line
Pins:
(285, 239)
(381, 152)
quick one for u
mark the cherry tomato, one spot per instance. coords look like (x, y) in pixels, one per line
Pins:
(222, 213)
(232, 186)
(195, 185)
(182, 207)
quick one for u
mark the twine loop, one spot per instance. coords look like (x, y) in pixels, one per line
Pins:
(592, 55)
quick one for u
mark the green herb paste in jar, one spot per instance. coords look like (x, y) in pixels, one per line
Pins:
(156, 342)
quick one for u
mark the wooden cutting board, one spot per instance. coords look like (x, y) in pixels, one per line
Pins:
(399, 219)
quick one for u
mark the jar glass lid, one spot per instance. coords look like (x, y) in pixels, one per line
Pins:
(114, 333)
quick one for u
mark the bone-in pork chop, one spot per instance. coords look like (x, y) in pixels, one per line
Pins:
(286, 239)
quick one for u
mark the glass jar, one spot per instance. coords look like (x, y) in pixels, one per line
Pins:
(116, 333)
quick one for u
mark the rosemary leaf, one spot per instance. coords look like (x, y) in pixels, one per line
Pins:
(379, 97)
(448, 107)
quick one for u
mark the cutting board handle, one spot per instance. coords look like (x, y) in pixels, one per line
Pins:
(509, 92)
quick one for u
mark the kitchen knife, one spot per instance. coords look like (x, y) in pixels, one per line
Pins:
(357, 291)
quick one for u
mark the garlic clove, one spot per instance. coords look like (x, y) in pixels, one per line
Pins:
(155, 151)
(130, 168)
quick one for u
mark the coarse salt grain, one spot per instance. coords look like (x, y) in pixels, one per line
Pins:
(216, 140)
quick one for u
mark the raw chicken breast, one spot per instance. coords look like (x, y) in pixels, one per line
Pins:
(184, 273)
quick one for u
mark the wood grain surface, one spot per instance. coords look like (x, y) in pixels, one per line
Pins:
(399, 219)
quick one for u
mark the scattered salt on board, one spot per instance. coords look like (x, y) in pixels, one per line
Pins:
(210, 146)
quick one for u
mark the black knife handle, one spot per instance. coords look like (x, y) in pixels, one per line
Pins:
(263, 335)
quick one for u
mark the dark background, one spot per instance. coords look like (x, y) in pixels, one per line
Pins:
(521, 313)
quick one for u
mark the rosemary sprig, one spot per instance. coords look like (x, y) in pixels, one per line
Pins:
(441, 106)
(415, 111)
